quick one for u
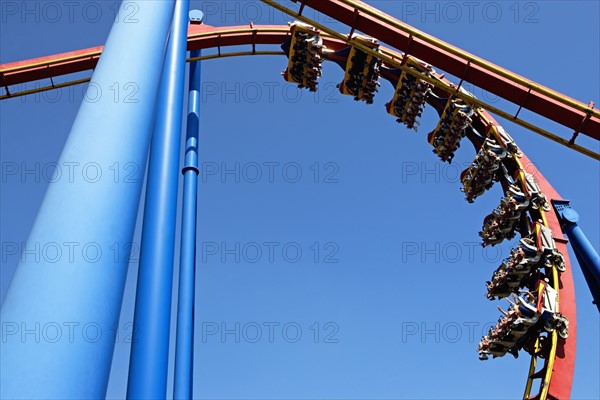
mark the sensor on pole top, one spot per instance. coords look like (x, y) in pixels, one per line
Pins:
(196, 16)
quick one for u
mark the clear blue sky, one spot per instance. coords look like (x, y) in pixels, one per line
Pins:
(379, 192)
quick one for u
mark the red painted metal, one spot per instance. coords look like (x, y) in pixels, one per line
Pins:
(254, 35)
(46, 67)
(459, 67)
(86, 59)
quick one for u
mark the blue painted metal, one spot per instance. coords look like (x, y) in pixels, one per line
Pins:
(61, 312)
(593, 286)
(152, 322)
(587, 256)
(196, 17)
(184, 350)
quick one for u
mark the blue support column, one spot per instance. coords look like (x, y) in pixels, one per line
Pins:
(152, 322)
(587, 256)
(61, 312)
(184, 353)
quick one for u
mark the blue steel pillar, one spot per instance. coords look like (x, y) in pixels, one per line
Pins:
(152, 322)
(61, 312)
(184, 353)
(588, 258)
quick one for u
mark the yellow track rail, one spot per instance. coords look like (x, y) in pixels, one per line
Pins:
(45, 88)
(236, 54)
(549, 362)
(532, 366)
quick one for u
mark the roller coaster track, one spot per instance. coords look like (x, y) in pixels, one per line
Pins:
(553, 357)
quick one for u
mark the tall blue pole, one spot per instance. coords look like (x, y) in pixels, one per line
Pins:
(152, 321)
(587, 256)
(184, 350)
(61, 312)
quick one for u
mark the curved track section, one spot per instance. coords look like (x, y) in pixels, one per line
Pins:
(523, 92)
(86, 59)
(547, 303)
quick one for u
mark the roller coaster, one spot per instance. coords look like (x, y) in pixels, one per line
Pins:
(536, 278)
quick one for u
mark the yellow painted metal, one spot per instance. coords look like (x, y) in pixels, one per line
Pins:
(236, 54)
(44, 89)
(236, 31)
(532, 366)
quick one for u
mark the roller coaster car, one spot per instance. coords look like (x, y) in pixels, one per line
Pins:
(493, 153)
(545, 242)
(515, 198)
(305, 56)
(504, 282)
(502, 222)
(483, 171)
(535, 248)
(549, 308)
(531, 190)
(411, 94)
(508, 332)
(503, 139)
(524, 321)
(451, 128)
(361, 77)
(514, 271)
